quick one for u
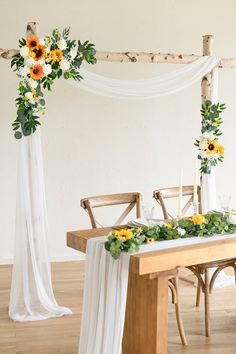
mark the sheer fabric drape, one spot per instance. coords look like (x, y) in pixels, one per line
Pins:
(32, 296)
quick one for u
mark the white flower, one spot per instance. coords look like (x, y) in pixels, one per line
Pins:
(29, 61)
(40, 62)
(24, 51)
(203, 154)
(47, 69)
(41, 41)
(32, 83)
(64, 64)
(211, 136)
(62, 44)
(232, 217)
(30, 97)
(203, 144)
(73, 53)
(181, 231)
(24, 71)
(205, 135)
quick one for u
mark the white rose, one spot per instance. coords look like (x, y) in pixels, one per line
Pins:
(203, 144)
(211, 136)
(24, 51)
(30, 97)
(29, 61)
(32, 83)
(73, 53)
(232, 217)
(64, 64)
(62, 44)
(41, 62)
(24, 71)
(47, 69)
(181, 231)
(41, 41)
(205, 135)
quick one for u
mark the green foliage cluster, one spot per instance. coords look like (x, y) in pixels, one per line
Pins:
(211, 224)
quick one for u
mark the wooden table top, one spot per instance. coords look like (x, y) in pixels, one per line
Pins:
(162, 260)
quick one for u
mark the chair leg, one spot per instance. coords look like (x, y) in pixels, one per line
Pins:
(198, 293)
(207, 304)
(178, 314)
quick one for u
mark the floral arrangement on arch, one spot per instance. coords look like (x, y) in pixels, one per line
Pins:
(210, 148)
(129, 240)
(39, 62)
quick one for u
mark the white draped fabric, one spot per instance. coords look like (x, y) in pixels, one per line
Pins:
(31, 291)
(160, 85)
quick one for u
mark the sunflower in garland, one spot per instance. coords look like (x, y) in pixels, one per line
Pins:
(38, 52)
(56, 55)
(212, 147)
(36, 72)
(32, 42)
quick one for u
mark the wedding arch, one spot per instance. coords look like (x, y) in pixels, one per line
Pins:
(31, 292)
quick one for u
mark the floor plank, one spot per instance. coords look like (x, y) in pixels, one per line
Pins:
(61, 335)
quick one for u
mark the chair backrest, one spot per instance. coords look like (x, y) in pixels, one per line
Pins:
(161, 194)
(132, 199)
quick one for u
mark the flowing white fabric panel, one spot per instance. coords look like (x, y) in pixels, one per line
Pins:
(32, 296)
(105, 293)
(161, 85)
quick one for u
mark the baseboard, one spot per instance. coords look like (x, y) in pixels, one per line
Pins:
(65, 258)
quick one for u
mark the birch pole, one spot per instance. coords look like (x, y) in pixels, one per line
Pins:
(207, 79)
(31, 29)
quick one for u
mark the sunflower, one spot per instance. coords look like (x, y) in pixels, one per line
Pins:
(198, 219)
(169, 226)
(221, 150)
(124, 234)
(38, 52)
(32, 42)
(139, 230)
(36, 72)
(56, 55)
(150, 240)
(212, 147)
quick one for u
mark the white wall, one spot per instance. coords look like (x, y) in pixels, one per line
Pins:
(93, 145)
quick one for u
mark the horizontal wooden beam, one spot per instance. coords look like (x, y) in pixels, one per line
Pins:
(143, 57)
(138, 57)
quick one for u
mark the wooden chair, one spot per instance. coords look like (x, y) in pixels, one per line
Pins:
(132, 199)
(200, 270)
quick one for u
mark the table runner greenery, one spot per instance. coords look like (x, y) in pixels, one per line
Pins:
(129, 240)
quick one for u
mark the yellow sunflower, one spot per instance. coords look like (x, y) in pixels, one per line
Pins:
(38, 52)
(150, 240)
(124, 234)
(198, 219)
(221, 150)
(169, 225)
(56, 55)
(212, 147)
(36, 72)
(32, 42)
(139, 230)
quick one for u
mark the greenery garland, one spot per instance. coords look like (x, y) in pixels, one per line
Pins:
(210, 149)
(129, 240)
(40, 61)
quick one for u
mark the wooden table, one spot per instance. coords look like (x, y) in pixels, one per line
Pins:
(146, 324)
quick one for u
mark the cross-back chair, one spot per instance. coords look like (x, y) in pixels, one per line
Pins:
(166, 193)
(133, 200)
(205, 284)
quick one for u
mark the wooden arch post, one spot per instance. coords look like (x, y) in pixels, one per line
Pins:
(206, 86)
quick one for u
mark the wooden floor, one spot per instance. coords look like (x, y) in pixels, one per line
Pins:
(61, 335)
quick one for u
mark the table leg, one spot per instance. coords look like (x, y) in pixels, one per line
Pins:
(146, 325)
